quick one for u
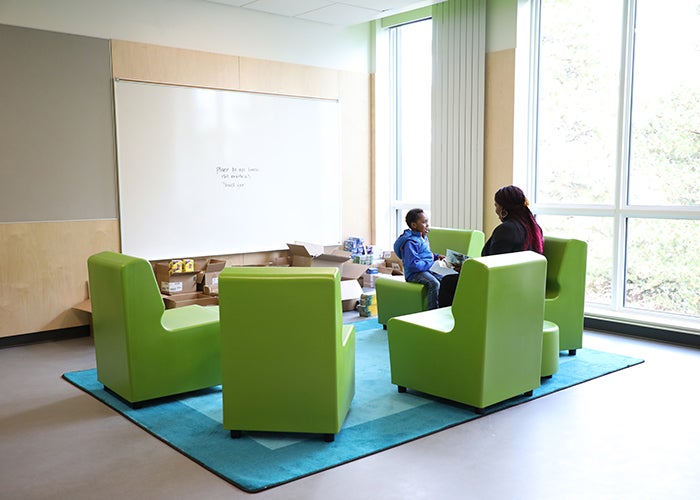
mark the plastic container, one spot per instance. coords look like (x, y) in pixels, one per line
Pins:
(370, 277)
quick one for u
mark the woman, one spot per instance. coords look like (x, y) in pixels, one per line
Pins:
(517, 231)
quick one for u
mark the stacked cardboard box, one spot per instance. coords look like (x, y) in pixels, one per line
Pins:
(188, 299)
(171, 283)
(182, 281)
(391, 265)
(208, 278)
(313, 255)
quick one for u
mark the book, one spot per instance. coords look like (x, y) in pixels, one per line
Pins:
(454, 257)
(442, 267)
(447, 265)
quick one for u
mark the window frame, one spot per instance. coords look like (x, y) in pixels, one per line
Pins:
(620, 211)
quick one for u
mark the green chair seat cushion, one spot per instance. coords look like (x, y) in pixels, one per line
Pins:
(185, 317)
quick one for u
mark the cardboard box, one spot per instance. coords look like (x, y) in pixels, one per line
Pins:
(392, 265)
(209, 273)
(352, 271)
(188, 299)
(280, 262)
(350, 293)
(350, 289)
(313, 255)
(170, 284)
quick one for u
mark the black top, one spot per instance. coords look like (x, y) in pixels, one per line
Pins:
(508, 237)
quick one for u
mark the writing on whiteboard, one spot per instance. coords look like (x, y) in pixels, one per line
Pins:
(235, 177)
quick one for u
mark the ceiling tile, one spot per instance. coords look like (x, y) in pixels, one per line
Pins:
(344, 13)
(341, 15)
(287, 8)
(234, 3)
(381, 5)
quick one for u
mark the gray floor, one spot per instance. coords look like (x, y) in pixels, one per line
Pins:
(633, 434)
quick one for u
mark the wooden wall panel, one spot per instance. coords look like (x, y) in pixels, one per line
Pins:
(498, 129)
(357, 176)
(154, 63)
(288, 79)
(45, 264)
(47, 272)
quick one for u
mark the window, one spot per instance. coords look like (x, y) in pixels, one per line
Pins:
(618, 151)
(411, 78)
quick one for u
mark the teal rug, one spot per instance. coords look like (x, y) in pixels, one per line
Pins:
(379, 417)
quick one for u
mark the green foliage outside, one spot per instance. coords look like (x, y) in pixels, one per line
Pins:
(580, 162)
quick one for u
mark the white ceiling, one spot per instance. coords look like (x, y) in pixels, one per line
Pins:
(346, 13)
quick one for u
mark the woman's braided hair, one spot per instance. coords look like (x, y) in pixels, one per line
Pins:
(513, 200)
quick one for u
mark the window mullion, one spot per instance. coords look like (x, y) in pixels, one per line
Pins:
(623, 156)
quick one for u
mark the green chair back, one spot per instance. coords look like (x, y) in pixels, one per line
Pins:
(142, 350)
(288, 360)
(466, 241)
(395, 298)
(566, 288)
(487, 346)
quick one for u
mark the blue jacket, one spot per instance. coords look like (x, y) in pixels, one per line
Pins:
(414, 251)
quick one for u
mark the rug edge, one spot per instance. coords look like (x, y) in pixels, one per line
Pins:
(162, 440)
(632, 361)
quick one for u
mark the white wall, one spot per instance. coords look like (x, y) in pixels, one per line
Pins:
(199, 25)
(501, 18)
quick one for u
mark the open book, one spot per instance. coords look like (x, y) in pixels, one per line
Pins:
(446, 266)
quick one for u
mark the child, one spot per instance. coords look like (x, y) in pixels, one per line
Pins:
(413, 248)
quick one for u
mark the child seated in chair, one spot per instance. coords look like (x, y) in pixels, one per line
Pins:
(413, 248)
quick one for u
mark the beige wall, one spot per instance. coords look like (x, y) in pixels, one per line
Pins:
(45, 263)
(498, 129)
(44, 272)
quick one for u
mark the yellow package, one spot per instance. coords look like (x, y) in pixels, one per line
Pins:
(175, 266)
(188, 265)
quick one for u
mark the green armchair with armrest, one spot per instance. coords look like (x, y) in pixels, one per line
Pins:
(396, 297)
(288, 360)
(143, 350)
(486, 347)
(566, 289)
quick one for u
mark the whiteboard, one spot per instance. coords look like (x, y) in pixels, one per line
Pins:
(217, 172)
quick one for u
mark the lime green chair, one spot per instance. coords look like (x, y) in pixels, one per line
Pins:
(566, 289)
(144, 351)
(485, 348)
(396, 297)
(466, 241)
(288, 360)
